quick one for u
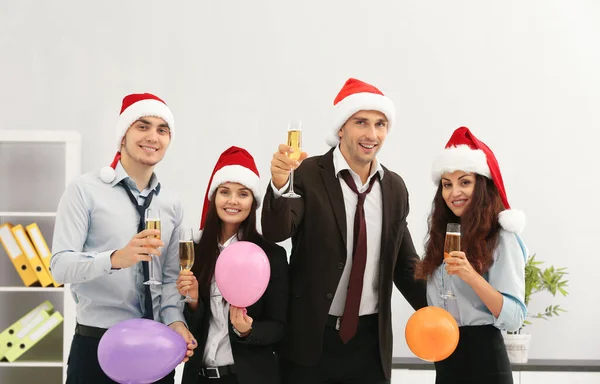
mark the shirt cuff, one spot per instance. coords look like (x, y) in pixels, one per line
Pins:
(171, 315)
(278, 192)
(103, 264)
(511, 316)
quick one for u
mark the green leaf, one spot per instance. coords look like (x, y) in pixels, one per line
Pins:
(550, 279)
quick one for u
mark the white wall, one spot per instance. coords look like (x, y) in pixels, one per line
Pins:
(523, 75)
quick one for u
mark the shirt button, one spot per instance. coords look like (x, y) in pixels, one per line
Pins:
(329, 295)
(340, 265)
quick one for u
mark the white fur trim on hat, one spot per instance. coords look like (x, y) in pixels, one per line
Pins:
(236, 174)
(512, 220)
(364, 101)
(148, 107)
(460, 158)
(107, 174)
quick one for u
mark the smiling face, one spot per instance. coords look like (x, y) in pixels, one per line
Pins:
(146, 141)
(457, 190)
(233, 202)
(362, 136)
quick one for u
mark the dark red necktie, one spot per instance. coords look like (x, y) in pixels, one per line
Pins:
(359, 261)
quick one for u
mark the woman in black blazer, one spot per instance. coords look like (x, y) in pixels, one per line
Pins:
(233, 346)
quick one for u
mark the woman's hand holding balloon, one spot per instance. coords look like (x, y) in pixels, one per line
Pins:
(240, 320)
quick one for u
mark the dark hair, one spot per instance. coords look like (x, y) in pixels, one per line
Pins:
(207, 250)
(479, 228)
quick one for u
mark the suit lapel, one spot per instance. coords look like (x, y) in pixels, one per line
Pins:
(334, 191)
(387, 199)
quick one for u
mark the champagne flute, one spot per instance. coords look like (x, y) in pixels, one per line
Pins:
(186, 256)
(294, 140)
(451, 244)
(152, 222)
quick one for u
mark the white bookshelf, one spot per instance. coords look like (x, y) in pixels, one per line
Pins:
(27, 214)
(26, 204)
(33, 364)
(31, 289)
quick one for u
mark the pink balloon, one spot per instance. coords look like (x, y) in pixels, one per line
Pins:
(242, 273)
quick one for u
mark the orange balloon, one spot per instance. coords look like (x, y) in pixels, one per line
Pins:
(432, 333)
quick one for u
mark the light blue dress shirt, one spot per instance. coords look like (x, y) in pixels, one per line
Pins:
(93, 220)
(507, 275)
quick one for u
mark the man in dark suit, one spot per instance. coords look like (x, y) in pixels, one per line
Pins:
(350, 242)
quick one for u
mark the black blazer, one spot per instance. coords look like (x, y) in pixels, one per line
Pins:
(317, 225)
(253, 356)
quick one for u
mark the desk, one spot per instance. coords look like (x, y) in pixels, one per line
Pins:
(543, 365)
(549, 371)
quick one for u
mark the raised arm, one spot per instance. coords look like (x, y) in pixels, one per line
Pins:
(282, 216)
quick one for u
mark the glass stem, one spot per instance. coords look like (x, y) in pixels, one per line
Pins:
(292, 181)
(444, 277)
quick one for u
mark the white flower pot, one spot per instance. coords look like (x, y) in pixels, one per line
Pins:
(517, 347)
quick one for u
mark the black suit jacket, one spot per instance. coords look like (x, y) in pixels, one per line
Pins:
(254, 356)
(317, 225)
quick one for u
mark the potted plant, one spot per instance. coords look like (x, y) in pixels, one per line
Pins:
(536, 280)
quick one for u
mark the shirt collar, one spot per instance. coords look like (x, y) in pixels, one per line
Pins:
(229, 241)
(121, 174)
(339, 164)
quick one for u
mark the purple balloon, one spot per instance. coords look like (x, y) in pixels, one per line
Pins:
(140, 351)
(242, 273)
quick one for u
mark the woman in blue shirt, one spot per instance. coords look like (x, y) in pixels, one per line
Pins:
(235, 347)
(487, 277)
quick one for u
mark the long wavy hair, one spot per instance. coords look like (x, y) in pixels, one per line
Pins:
(207, 250)
(479, 228)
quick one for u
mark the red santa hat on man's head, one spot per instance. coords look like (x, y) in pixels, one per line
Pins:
(356, 96)
(464, 152)
(235, 165)
(134, 107)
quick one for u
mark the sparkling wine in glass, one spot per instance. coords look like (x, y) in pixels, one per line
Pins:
(152, 222)
(294, 140)
(186, 256)
(451, 244)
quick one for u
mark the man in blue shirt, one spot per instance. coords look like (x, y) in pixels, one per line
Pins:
(100, 245)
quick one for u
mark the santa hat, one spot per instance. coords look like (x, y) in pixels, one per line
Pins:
(235, 165)
(134, 107)
(464, 152)
(356, 96)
